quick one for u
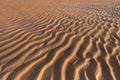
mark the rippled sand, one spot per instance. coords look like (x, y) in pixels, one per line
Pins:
(59, 40)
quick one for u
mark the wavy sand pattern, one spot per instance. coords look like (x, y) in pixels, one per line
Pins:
(59, 40)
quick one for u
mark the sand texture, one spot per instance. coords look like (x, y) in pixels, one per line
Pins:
(59, 40)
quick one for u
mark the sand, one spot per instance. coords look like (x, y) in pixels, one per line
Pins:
(59, 40)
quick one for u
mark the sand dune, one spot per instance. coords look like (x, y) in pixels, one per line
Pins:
(59, 40)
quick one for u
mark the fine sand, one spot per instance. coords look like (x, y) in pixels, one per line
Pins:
(59, 40)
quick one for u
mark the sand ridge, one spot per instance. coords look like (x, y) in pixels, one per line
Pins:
(59, 40)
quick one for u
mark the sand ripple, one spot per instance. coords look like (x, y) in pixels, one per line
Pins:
(71, 42)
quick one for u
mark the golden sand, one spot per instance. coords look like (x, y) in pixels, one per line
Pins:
(59, 40)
